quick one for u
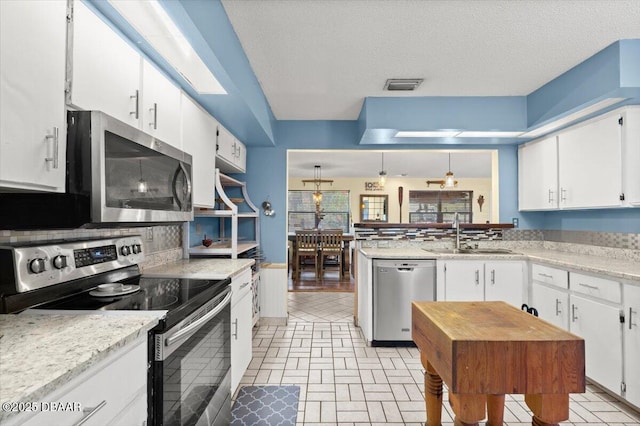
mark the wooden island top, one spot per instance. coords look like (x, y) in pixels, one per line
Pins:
(483, 350)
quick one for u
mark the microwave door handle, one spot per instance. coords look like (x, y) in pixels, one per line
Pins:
(182, 201)
(194, 326)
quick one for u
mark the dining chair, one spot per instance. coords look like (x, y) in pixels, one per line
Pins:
(331, 245)
(306, 247)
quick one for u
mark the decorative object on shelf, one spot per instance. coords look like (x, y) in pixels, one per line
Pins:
(206, 241)
(448, 181)
(383, 174)
(480, 201)
(266, 208)
(317, 195)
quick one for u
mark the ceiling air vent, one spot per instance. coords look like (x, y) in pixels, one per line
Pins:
(403, 83)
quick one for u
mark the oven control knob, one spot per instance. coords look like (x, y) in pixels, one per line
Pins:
(37, 265)
(125, 250)
(60, 261)
(136, 248)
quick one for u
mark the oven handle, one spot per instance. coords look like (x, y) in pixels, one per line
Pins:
(191, 328)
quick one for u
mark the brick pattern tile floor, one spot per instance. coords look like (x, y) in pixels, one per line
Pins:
(344, 382)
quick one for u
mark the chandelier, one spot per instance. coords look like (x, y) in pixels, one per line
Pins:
(317, 181)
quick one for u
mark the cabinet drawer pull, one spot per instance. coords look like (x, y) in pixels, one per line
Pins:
(477, 277)
(558, 304)
(573, 313)
(154, 124)
(89, 412)
(545, 275)
(136, 111)
(493, 277)
(631, 323)
(54, 157)
(592, 287)
(563, 194)
(550, 196)
(235, 325)
(244, 285)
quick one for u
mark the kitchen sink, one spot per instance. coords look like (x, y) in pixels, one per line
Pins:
(469, 251)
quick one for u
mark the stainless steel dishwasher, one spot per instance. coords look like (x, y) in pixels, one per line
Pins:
(397, 283)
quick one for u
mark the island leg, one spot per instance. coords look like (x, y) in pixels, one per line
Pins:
(432, 393)
(468, 408)
(495, 410)
(548, 409)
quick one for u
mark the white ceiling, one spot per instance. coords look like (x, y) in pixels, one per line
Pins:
(413, 163)
(318, 59)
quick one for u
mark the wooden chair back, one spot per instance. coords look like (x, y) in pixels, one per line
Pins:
(331, 241)
(307, 240)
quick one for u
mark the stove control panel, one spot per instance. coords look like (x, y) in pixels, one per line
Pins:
(36, 266)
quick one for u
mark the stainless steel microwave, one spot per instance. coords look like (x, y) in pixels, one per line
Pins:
(116, 175)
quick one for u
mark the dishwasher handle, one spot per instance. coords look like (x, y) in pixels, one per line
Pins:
(405, 269)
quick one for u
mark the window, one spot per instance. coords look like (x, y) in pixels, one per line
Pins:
(440, 206)
(373, 208)
(334, 210)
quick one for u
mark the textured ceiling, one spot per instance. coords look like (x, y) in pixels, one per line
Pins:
(413, 163)
(318, 59)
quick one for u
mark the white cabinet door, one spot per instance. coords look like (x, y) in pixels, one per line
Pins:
(631, 155)
(105, 69)
(231, 152)
(226, 148)
(552, 304)
(241, 157)
(365, 295)
(160, 106)
(538, 175)
(599, 325)
(241, 349)
(590, 164)
(199, 140)
(32, 83)
(504, 280)
(632, 343)
(464, 280)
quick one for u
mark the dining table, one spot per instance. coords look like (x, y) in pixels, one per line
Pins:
(346, 238)
(484, 350)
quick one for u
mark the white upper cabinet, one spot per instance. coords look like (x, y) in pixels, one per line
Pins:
(538, 175)
(160, 106)
(590, 164)
(631, 155)
(105, 73)
(231, 153)
(32, 83)
(199, 140)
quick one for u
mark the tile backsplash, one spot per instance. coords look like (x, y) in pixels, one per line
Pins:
(161, 243)
(601, 239)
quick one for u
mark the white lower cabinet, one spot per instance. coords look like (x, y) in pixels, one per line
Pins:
(112, 392)
(469, 280)
(241, 326)
(552, 304)
(599, 325)
(632, 343)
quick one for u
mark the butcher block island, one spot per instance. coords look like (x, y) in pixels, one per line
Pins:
(484, 350)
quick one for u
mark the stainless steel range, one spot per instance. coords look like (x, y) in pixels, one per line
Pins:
(189, 350)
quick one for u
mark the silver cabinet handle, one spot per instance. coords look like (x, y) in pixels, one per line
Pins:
(154, 123)
(244, 285)
(89, 412)
(573, 313)
(558, 304)
(550, 196)
(563, 194)
(235, 325)
(493, 277)
(592, 287)
(544, 275)
(477, 277)
(194, 326)
(631, 323)
(56, 139)
(136, 112)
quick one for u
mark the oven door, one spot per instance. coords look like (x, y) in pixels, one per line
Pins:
(191, 382)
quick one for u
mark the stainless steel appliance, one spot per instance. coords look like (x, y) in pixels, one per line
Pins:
(397, 283)
(115, 174)
(189, 381)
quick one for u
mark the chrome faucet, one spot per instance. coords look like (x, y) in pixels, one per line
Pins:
(456, 224)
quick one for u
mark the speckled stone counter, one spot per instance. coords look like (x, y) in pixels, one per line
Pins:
(201, 268)
(39, 353)
(626, 269)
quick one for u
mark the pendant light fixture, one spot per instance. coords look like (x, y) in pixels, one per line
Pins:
(449, 182)
(143, 187)
(383, 174)
(317, 181)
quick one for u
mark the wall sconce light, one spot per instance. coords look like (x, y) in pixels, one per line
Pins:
(267, 210)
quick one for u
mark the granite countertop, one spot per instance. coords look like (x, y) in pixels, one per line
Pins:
(39, 353)
(200, 268)
(613, 267)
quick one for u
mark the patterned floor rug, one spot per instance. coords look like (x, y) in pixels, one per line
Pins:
(266, 405)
